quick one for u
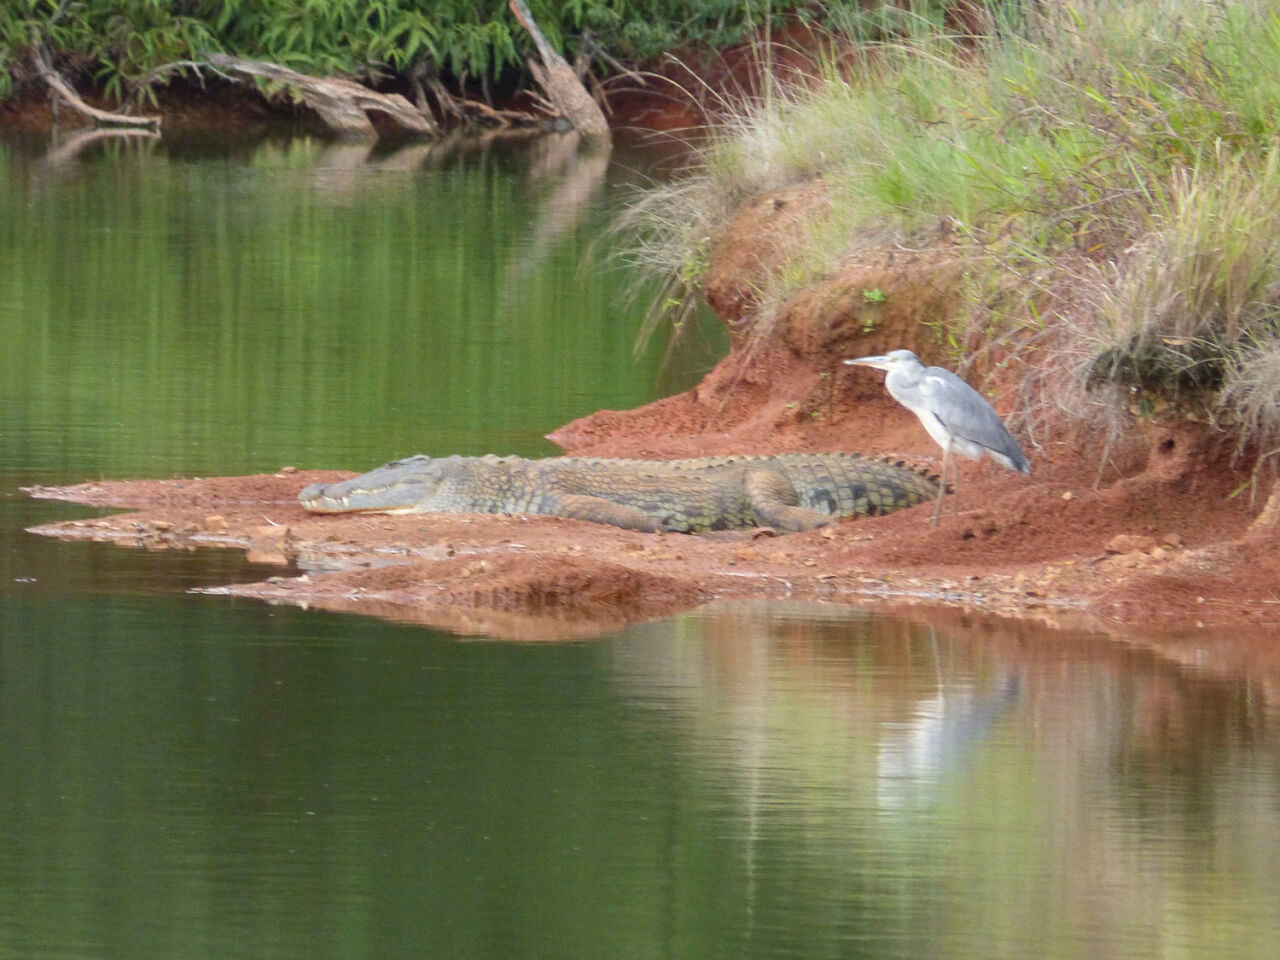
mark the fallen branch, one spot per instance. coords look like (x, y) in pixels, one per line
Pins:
(61, 89)
(560, 83)
(341, 104)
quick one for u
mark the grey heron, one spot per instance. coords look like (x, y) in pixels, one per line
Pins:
(953, 412)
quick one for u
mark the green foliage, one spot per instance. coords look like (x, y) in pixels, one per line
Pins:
(123, 42)
(366, 37)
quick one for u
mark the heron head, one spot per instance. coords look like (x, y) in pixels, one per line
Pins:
(893, 360)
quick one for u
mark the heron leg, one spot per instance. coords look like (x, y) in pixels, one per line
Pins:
(942, 487)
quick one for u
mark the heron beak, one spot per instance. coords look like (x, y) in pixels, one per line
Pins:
(878, 361)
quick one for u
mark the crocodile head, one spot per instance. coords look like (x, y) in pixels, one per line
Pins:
(402, 486)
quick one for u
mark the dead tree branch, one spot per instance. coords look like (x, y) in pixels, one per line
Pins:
(341, 104)
(61, 89)
(560, 83)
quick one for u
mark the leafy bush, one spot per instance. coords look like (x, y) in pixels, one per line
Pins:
(125, 41)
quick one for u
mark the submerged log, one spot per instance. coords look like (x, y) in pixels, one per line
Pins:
(341, 104)
(560, 83)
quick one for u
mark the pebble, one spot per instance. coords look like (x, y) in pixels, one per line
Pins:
(1129, 543)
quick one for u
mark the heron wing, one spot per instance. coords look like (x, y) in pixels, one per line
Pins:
(970, 420)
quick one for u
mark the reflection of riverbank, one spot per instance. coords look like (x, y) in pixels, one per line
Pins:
(979, 668)
(1053, 787)
(931, 702)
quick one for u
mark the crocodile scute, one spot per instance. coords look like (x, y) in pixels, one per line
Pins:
(790, 492)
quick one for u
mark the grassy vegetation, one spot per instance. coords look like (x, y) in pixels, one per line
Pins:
(1106, 170)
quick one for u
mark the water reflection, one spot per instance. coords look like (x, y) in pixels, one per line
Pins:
(312, 303)
(709, 786)
(71, 147)
(976, 789)
(916, 757)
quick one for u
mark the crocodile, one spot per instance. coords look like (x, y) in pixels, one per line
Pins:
(789, 492)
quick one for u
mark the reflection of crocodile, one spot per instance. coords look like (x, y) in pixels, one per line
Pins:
(791, 492)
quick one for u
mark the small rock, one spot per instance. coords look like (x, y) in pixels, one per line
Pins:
(1068, 495)
(214, 522)
(1172, 540)
(269, 532)
(266, 555)
(288, 470)
(1129, 543)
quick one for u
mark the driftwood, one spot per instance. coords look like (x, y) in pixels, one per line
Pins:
(62, 89)
(560, 83)
(341, 104)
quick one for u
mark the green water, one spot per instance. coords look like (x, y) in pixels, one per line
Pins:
(186, 776)
(292, 303)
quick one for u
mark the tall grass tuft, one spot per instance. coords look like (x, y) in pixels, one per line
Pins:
(1106, 168)
(1200, 283)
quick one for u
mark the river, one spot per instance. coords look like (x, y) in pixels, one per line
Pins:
(186, 775)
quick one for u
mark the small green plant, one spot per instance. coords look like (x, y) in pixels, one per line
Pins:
(873, 296)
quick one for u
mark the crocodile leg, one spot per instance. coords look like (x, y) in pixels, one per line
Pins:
(579, 506)
(774, 499)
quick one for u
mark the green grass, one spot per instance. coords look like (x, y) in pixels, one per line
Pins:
(1107, 167)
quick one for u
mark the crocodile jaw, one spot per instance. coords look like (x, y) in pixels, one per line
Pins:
(318, 498)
